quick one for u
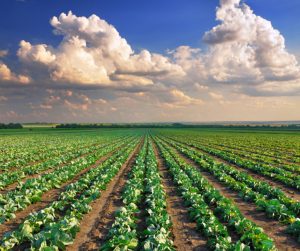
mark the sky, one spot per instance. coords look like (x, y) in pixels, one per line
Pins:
(149, 61)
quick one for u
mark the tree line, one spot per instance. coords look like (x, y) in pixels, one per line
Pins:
(176, 125)
(11, 126)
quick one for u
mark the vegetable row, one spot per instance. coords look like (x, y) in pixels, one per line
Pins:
(271, 200)
(55, 226)
(216, 216)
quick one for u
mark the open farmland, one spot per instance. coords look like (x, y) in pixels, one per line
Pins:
(149, 189)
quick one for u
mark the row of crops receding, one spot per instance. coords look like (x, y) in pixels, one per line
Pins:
(119, 189)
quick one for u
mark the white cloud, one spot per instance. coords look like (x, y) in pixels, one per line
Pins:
(7, 75)
(10, 115)
(216, 96)
(3, 53)
(48, 102)
(38, 53)
(176, 98)
(76, 106)
(245, 55)
(247, 45)
(3, 98)
(93, 52)
(243, 50)
(182, 98)
(275, 88)
(47, 107)
(100, 101)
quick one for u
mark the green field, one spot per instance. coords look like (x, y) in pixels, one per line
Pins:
(149, 189)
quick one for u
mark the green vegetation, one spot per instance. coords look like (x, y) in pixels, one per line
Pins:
(259, 170)
(241, 126)
(11, 126)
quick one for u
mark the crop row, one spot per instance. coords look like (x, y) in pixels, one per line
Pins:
(280, 146)
(143, 188)
(55, 226)
(11, 177)
(32, 190)
(36, 148)
(279, 152)
(158, 235)
(283, 148)
(20, 151)
(209, 209)
(123, 233)
(275, 173)
(257, 157)
(271, 200)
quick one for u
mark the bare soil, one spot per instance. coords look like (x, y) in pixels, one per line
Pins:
(273, 228)
(47, 198)
(289, 191)
(185, 234)
(95, 225)
(14, 168)
(283, 160)
(32, 176)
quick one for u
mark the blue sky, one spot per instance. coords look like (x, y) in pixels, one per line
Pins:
(156, 25)
(177, 63)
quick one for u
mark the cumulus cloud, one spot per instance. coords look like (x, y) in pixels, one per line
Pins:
(216, 96)
(94, 70)
(3, 98)
(180, 98)
(171, 99)
(93, 52)
(274, 88)
(10, 115)
(39, 53)
(243, 49)
(3, 53)
(7, 75)
(244, 42)
(100, 101)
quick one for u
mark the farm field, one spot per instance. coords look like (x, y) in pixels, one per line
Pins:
(149, 189)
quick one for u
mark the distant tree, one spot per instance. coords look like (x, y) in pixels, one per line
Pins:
(11, 126)
(178, 125)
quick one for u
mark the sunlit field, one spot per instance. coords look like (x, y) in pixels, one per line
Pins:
(137, 189)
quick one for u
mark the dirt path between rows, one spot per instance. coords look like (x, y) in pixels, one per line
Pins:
(47, 198)
(284, 161)
(29, 163)
(289, 191)
(35, 162)
(273, 228)
(186, 236)
(95, 225)
(14, 185)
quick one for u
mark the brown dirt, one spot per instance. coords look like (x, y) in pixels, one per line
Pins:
(49, 170)
(14, 185)
(95, 225)
(14, 168)
(186, 236)
(47, 198)
(274, 158)
(289, 191)
(273, 228)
